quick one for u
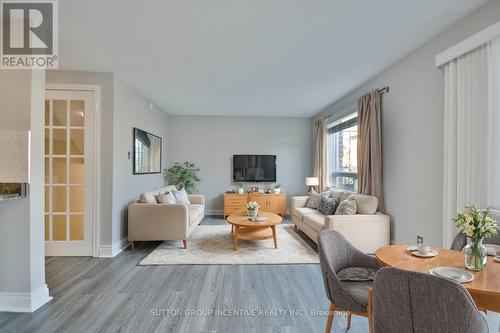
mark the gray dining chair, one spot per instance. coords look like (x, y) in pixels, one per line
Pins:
(336, 254)
(405, 301)
(460, 241)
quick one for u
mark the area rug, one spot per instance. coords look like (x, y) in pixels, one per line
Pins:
(212, 245)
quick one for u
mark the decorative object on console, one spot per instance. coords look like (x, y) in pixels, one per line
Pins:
(252, 208)
(277, 188)
(477, 225)
(241, 189)
(149, 160)
(312, 182)
(183, 175)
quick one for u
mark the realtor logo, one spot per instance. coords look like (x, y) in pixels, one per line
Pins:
(29, 34)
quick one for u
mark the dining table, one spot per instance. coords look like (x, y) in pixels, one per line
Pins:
(484, 288)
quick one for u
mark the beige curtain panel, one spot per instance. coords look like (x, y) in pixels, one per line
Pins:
(319, 133)
(370, 147)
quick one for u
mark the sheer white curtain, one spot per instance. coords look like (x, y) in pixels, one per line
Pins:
(467, 134)
(494, 180)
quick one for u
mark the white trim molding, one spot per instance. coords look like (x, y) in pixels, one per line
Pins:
(468, 44)
(24, 302)
(110, 251)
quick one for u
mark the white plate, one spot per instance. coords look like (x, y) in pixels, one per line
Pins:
(412, 248)
(492, 248)
(430, 254)
(452, 273)
(497, 259)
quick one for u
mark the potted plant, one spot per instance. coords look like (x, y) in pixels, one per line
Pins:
(252, 208)
(241, 190)
(183, 175)
(277, 188)
(477, 225)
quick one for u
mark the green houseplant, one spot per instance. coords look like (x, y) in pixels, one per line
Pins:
(477, 225)
(183, 175)
(277, 188)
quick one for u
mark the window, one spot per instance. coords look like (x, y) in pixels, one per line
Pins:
(342, 149)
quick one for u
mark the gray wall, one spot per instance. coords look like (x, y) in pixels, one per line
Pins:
(210, 142)
(131, 110)
(413, 131)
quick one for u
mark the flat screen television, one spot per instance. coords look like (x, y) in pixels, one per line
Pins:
(254, 168)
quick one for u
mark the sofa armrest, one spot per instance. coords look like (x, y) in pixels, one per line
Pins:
(157, 222)
(366, 232)
(299, 201)
(198, 199)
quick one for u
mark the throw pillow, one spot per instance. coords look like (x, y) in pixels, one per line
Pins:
(166, 198)
(347, 207)
(357, 274)
(313, 200)
(327, 206)
(181, 197)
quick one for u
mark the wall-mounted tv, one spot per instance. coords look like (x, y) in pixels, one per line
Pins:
(254, 168)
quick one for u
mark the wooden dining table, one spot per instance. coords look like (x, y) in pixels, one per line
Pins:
(484, 289)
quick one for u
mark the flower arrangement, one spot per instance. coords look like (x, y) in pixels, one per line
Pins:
(477, 225)
(253, 206)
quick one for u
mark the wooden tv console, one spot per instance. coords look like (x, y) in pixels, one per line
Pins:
(237, 203)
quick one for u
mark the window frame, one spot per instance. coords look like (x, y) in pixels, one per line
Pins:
(342, 125)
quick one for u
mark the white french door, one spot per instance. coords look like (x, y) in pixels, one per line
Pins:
(69, 174)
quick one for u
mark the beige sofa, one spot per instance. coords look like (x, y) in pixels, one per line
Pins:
(150, 221)
(367, 230)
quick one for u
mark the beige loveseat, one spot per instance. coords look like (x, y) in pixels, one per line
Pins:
(367, 229)
(150, 221)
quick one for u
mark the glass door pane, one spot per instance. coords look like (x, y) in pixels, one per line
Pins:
(64, 170)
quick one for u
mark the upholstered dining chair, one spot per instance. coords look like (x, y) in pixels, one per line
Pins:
(460, 241)
(405, 301)
(336, 254)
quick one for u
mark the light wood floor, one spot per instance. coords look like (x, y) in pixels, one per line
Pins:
(116, 295)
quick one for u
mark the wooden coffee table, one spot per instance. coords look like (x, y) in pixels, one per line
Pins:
(248, 230)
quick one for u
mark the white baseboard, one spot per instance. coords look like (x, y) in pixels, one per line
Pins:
(24, 302)
(110, 251)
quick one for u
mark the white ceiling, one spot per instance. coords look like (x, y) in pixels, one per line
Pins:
(241, 57)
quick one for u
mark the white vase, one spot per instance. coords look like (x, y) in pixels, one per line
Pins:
(240, 191)
(277, 190)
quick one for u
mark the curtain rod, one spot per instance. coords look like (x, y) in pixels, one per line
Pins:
(381, 90)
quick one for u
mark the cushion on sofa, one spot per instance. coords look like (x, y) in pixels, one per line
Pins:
(337, 193)
(165, 198)
(366, 204)
(315, 221)
(148, 197)
(327, 206)
(195, 211)
(300, 212)
(347, 207)
(313, 200)
(181, 197)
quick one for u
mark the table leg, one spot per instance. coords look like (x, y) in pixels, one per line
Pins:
(235, 237)
(274, 237)
(232, 228)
